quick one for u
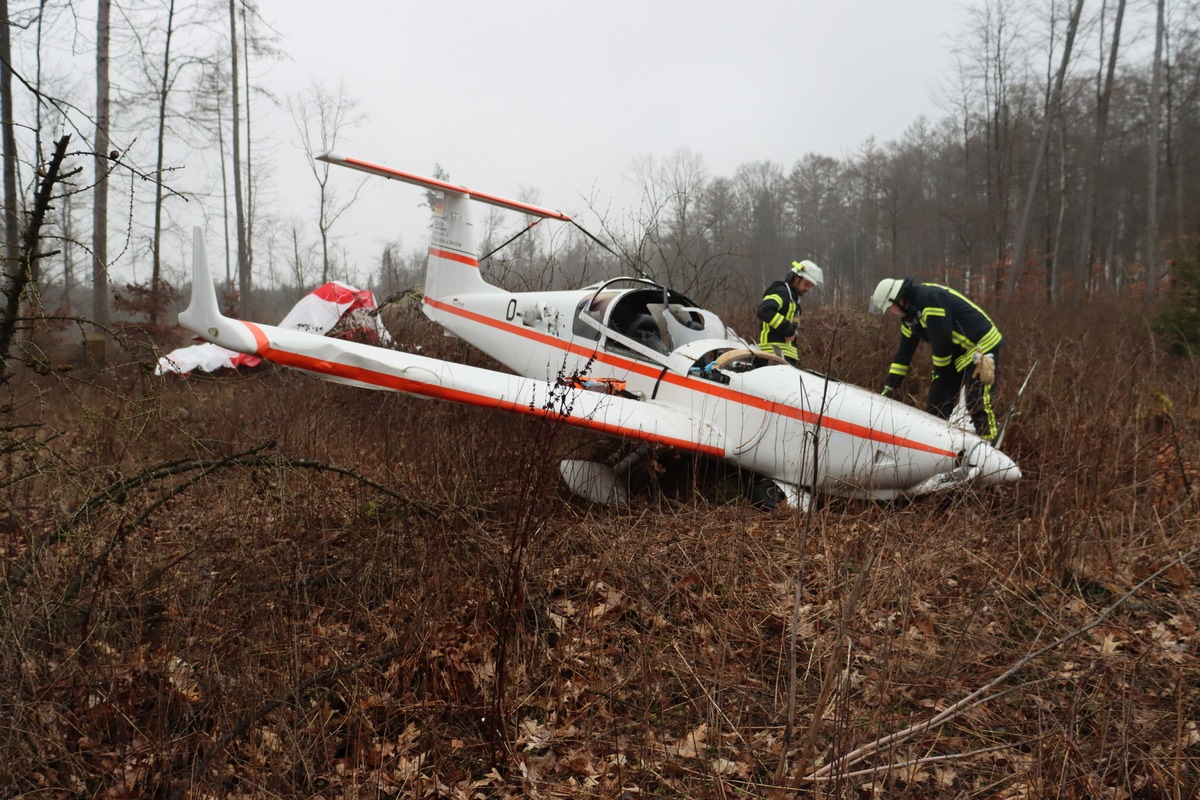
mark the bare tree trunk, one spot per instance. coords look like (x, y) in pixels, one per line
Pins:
(224, 188)
(1152, 154)
(68, 242)
(997, 33)
(298, 263)
(998, 155)
(12, 222)
(1175, 157)
(100, 190)
(1055, 276)
(164, 88)
(1052, 108)
(1048, 263)
(249, 144)
(1087, 250)
(18, 276)
(239, 210)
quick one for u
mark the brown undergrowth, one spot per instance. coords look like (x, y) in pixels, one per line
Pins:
(265, 586)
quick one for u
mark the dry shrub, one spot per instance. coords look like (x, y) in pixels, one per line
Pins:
(262, 585)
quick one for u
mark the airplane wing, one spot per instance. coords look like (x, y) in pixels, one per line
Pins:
(380, 368)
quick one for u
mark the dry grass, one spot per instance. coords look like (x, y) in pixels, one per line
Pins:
(265, 586)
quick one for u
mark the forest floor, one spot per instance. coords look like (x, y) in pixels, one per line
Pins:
(265, 586)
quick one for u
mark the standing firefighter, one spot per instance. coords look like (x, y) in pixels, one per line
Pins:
(964, 343)
(780, 309)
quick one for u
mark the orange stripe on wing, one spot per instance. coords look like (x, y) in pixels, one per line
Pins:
(396, 383)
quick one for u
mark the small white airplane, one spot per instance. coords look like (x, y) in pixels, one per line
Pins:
(633, 359)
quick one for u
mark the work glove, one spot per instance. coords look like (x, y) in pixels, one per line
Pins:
(887, 390)
(985, 368)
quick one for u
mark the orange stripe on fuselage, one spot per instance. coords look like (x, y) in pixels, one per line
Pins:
(741, 398)
(450, 255)
(396, 383)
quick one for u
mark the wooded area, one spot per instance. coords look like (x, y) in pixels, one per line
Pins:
(267, 586)
(1070, 134)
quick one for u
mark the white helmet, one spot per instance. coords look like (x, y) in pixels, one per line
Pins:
(810, 272)
(885, 294)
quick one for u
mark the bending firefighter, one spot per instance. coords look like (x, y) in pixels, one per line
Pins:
(779, 310)
(965, 345)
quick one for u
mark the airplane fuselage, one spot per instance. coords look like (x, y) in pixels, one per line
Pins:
(793, 426)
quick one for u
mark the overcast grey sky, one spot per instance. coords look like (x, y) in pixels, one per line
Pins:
(563, 96)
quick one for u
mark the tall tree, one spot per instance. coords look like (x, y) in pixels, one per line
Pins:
(243, 254)
(761, 196)
(1152, 157)
(102, 166)
(28, 251)
(11, 219)
(319, 115)
(209, 111)
(1053, 107)
(1087, 254)
(163, 90)
(250, 182)
(676, 246)
(1000, 55)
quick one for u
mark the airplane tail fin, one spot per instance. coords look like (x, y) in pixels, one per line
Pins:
(203, 311)
(453, 266)
(203, 315)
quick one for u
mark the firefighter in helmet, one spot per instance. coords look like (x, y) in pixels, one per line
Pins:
(779, 310)
(964, 342)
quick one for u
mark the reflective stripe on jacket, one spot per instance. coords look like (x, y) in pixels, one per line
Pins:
(952, 324)
(778, 308)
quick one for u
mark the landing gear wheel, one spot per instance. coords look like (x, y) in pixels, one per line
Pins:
(766, 494)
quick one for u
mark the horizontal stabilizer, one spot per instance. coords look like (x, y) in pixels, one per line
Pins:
(441, 186)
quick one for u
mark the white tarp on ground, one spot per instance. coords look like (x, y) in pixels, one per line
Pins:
(336, 309)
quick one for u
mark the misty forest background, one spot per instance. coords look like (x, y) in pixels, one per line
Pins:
(260, 585)
(1071, 132)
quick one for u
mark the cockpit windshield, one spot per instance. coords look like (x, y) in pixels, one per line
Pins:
(596, 307)
(650, 315)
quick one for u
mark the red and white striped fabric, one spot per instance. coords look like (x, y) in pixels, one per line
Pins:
(335, 309)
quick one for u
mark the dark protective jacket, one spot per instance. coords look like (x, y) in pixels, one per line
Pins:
(953, 325)
(778, 308)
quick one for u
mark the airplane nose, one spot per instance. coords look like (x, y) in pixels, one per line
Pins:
(994, 466)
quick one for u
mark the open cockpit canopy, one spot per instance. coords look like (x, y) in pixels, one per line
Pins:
(647, 314)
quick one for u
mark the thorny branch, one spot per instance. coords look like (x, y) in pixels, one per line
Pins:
(18, 276)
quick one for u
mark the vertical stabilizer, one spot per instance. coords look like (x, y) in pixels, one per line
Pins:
(202, 312)
(203, 315)
(453, 265)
